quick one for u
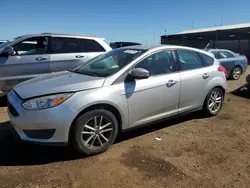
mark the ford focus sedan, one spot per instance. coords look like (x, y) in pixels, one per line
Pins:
(121, 89)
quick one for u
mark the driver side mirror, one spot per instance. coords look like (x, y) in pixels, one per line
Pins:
(139, 73)
(7, 51)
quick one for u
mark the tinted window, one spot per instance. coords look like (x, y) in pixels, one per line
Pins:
(108, 63)
(207, 60)
(91, 46)
(189, 60)
(65, 45)
(122, 44)
(224, 54)
(32, 46)
(158, 63)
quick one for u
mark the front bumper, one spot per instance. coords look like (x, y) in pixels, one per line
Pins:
(43, 126)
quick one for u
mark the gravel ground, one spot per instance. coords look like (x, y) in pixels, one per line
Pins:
(193, 152)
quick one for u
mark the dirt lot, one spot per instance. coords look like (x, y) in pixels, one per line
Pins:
(193, 152)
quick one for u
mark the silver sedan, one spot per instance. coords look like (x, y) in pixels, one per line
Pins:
(121, 89)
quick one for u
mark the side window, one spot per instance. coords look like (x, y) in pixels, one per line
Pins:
(158, 63)
(207, 60)
(215, 54)
(89, 45)
(224, 55)
(32, 46)
(189, 60)
(65, 45)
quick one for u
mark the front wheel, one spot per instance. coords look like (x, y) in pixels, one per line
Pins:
(94, 132)
(213, 102)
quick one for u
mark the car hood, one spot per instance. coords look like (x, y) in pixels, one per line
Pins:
(57, 83)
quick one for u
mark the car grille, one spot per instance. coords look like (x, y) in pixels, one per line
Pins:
(12, 110)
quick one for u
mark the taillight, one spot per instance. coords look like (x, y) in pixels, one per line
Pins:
(222, 69)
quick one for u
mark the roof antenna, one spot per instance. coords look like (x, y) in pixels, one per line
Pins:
(221, 20)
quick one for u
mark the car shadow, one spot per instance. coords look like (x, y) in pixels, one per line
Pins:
(15, 153)
(242, 91)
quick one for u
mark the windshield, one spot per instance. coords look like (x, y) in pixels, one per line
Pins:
(109, 63)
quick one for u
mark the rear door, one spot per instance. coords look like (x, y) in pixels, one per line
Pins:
(66, 54)
(195, 76)
(31, 59)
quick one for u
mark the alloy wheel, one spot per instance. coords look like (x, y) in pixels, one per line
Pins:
(215, 101)
(236, 73)
(97, 132)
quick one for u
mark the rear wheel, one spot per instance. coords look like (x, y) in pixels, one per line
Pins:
(236, 73)
(213, 102)
(94, 132)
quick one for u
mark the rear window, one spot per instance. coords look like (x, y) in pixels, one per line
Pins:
(122, 44)
(89, 45)
(207, 60)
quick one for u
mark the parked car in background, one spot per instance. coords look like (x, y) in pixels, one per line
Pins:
(235, 64)
(92, 103)
(30, 56)
(115, 45)
(2, 41)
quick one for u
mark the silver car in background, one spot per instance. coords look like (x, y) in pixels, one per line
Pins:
(30, 56)
(124, 88)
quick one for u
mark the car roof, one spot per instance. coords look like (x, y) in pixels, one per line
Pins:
(216, 49)
(59, 34)
(164, 46)
(160, 46)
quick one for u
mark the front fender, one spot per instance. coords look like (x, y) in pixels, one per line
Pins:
(85, 99)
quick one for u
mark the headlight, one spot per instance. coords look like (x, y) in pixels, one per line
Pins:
(46, 101)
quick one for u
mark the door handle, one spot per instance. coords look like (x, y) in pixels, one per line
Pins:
(205, 76)
(41, 58)
(170, 83)
(79, 56)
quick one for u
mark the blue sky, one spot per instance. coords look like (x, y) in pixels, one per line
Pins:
(138, 20)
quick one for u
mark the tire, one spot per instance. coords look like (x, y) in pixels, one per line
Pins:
(236, 73)
(208, 102)
(79, 139)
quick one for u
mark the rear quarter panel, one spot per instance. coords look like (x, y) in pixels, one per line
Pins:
(218, 79)
(242, 62)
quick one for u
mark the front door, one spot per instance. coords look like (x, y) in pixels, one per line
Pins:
(31, 59)
(156, 97)
(66, 54)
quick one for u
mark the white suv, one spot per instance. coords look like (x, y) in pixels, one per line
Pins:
(30, 56)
